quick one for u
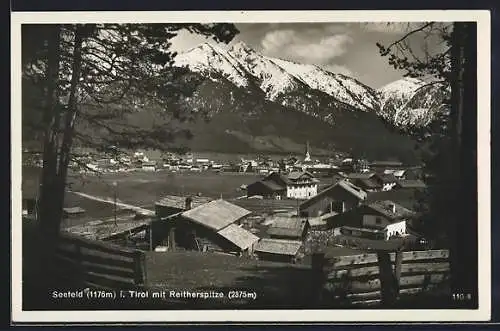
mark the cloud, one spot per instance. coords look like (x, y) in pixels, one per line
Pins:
(307, 45)
(390, 27)
(338, 69)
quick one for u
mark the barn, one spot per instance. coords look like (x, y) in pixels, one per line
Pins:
(213, 226)
(279, 250)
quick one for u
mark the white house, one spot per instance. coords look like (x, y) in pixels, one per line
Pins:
(301, 185)
(387, 216)
(149, 166)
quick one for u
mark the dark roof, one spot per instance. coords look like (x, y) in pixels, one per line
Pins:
(368, 183)
(391, 210)
(345, 185)
(216, 214)
(386, 163)
(411, 183)
(277, 178)
(298, 174)
(273, 186)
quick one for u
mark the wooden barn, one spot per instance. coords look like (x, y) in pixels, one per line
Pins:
(339, 198)
(213, 226)
(292, 228)
(279, 250)
(267, 189)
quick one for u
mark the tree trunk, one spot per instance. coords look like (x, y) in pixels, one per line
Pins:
(463, 131)
(49, 216)
(71, 114)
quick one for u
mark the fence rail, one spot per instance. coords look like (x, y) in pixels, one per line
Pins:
(99, 264)
(382, 277)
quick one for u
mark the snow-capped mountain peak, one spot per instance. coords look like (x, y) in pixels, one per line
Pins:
(311, 89)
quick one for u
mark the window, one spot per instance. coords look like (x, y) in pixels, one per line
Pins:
(378, 220)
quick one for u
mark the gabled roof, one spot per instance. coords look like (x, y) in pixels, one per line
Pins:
(238, 236)
(287, 226)
(343, 184)
(391, 210)
(216, 214)
(278, 246)
(272, 185)
(353, 189)
(294, 175)
(277, 178)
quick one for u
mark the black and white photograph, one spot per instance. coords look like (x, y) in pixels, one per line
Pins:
(251, 166)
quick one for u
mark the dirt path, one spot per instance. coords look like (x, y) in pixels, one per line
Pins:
(111, 201)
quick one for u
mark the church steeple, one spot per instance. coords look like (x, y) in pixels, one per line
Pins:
(308, 155)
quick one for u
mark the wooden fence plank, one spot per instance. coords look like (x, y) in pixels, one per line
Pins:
(109, 281)
(411, 268)
(96, 245)
(364, 295)
(99, 260)
(421, 280)
(368, 258)
(366, 302)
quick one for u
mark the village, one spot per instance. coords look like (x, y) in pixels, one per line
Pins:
(286, 216)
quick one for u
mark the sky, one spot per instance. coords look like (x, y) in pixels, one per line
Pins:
(348, 48)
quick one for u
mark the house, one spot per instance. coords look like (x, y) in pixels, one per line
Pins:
(72, 211)
(387, 216)
(337, 198)
(172, 204)
(213, 226)
(149, 166)
(292, 228)
(388, 181)
(267, 189)
(371, 181)
(297, 185)
(301, 185)
(278, 250)
(410, 184)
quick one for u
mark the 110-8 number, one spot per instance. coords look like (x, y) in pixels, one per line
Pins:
(462, 296)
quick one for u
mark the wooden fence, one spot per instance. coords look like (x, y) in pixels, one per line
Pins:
(382, 277)
(97, 264)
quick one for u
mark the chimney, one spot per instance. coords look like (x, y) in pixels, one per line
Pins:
(188, 203)
(393, 207)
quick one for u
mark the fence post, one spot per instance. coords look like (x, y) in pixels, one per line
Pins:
(140, 268)
(318, 266)
(80, 269)
(387, 278)
(398, 261)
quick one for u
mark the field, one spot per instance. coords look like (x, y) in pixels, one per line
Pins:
(143, 189)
